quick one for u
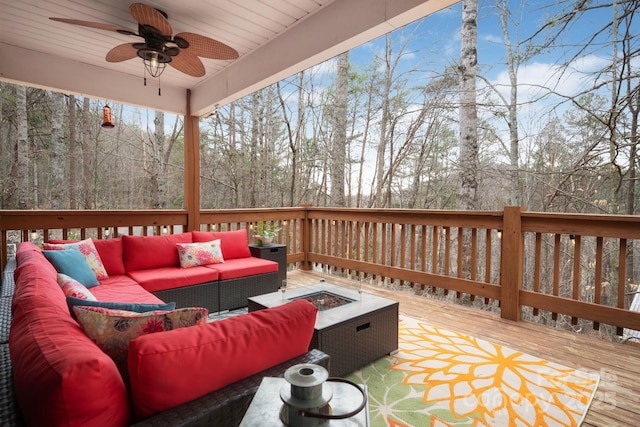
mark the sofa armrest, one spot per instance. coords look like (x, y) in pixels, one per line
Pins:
(228, 405)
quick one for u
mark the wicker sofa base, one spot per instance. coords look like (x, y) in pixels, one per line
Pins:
(227, 406)
(202, 295)
(234, 293)
(221, 295)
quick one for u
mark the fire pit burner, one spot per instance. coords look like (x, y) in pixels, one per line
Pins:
(325, 300)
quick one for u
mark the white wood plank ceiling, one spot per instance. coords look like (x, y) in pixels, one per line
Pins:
(274, 38)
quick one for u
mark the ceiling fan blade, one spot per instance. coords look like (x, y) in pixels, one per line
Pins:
(208, 48)
(122, 52)
(188, 63)
(146, 15)
(97, 25)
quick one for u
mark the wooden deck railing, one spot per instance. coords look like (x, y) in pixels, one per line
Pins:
(572, 268)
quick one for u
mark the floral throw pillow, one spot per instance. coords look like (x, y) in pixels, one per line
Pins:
(194, 254)
(113, 330)
(73, 288)
(88, 249)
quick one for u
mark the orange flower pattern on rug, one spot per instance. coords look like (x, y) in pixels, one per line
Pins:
(490, 385)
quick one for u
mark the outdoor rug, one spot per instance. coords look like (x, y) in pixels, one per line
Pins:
(441, 378)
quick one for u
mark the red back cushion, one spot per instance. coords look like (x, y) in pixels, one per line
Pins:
(214, 355)
(110, 251)
(143, 252)
(234, 244)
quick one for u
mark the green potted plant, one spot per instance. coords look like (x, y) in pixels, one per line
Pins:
(265, 233)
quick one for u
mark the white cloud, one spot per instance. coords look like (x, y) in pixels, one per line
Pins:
(493, 39)
(537, 78)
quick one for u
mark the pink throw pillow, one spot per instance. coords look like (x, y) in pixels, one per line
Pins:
(73, 288)
(194, 254)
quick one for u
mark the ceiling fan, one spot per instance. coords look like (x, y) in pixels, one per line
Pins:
(160, 46)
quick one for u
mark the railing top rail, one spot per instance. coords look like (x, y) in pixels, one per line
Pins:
(465, 219)
(616, 226)
(16, 220)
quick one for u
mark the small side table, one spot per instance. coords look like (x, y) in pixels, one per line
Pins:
(265, 406)
(273, 252)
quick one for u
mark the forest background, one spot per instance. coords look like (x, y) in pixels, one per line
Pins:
(557, 104)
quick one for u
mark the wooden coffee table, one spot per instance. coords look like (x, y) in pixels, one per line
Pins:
(354, 334)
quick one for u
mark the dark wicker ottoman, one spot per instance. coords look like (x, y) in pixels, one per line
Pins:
(354, 334)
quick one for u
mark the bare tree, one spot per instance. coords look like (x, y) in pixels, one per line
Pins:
(58, 155)
(339, 137)
(73, 155)
(512, 104)
(468, 107)
(87, 200)
(19, 171)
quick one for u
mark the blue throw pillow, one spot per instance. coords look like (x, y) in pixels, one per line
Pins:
(72, 263)
(128, 306)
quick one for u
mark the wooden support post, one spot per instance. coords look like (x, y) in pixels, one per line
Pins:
(511, 263)
(307, 233)
(191, 167)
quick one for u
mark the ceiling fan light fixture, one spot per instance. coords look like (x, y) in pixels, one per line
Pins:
(154, 61)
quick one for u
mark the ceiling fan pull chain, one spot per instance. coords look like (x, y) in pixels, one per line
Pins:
(159, 90)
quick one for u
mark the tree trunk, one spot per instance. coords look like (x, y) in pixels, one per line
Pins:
(86, 155)
(380, 158)
(468, 110)
(297, 190)
(20, 171)
(73, 155)
(514, 150)
(254, 168)
(338, 153)
(158, 178)
(58, 156)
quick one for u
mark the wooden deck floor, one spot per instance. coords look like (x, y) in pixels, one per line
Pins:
(617, 401)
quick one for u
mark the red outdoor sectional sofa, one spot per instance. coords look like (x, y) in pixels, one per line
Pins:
(74, 364)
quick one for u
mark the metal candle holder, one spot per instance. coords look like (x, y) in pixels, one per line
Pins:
(306, 396)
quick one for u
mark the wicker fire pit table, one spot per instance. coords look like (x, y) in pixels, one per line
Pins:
(354, 328)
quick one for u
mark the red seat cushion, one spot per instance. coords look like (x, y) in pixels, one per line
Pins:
(243, 267)
(159, 279)
(143, 252)
(214, 355)
(234, 244)
(123, 289)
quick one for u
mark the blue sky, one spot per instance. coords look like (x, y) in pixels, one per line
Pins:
(435, 42)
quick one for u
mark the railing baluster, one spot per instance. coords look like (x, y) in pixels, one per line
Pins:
(435, 255)
(536, 268)
(474, 259)
(597, 293)
(488, 256)
(447, 254)
(622, 276)
(423, 251)
(575, 294)
(556, 270)
(460, 256)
